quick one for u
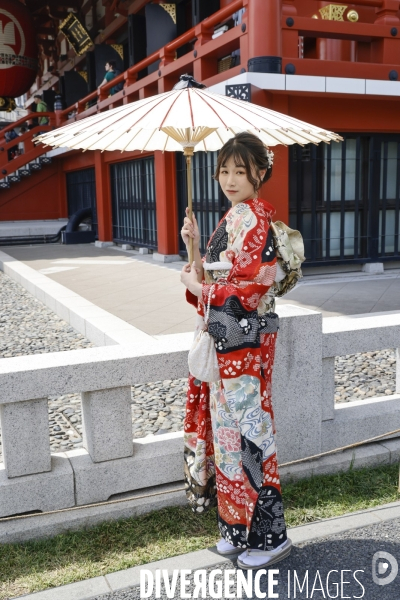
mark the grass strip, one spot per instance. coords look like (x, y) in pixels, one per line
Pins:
(115, 545)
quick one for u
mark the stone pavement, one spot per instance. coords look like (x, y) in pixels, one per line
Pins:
(332, 558)
(149, 295)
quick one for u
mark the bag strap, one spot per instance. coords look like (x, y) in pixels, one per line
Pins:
(207, 313)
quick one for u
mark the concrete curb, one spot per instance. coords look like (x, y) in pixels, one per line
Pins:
(203, 559)
(99, 326)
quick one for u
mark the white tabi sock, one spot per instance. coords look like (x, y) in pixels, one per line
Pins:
(260, 559)
(224, 546)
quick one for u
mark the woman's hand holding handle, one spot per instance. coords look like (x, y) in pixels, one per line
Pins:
(190, 233)
(189, 278)
(190, 230)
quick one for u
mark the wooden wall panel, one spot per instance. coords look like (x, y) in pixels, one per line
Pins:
(34, 198)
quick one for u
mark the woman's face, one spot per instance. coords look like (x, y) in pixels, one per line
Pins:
(234, 183)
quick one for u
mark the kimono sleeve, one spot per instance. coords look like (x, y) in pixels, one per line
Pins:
(191, 298)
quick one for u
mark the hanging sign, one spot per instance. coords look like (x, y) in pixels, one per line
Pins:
(76, 34)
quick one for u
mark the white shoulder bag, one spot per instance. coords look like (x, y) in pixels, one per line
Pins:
(202, 359)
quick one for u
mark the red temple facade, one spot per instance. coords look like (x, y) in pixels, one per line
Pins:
(334, 65)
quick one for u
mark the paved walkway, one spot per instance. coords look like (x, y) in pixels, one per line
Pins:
(149, 295)
(343, 546)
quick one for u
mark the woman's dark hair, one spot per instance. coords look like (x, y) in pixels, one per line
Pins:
(247, 150)
(112, 64)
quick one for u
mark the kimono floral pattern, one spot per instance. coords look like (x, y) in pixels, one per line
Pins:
(230, 454)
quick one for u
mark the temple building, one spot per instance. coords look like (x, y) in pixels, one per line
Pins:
(331, 64)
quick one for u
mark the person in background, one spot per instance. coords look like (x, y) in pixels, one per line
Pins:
(110, 67)
(9, 137)
(41, 106)
(21, 145)
(111, 73)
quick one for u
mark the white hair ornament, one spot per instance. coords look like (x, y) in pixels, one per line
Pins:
(270, 156)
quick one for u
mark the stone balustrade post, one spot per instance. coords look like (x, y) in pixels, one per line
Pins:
(25, 437)
(397, 370)
(297, 383)
(107, 423)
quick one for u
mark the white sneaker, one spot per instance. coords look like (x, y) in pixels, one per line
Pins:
(226, 549)
(257, 559)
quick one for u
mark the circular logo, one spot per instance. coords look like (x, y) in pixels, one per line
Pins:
(12, 40)
(380, 565)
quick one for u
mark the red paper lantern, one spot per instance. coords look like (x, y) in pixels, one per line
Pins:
(18, 50)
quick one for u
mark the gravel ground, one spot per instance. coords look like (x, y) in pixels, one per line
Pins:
(344, 553)
(360, 376)
(29, 327)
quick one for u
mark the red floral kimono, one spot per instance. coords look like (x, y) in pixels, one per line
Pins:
(229, 425)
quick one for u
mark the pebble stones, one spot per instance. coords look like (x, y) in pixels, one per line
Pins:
(65, 422)
(28, 327)
(158, 407)
(362, 376)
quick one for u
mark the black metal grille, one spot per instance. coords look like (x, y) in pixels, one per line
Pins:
(134, 202)
(81, 192)
(241, 91)
(389, 198)
(344, 198)
(209, 203)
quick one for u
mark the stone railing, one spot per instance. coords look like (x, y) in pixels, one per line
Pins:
(32, 479)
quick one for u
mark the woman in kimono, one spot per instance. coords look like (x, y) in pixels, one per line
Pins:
(229, 425)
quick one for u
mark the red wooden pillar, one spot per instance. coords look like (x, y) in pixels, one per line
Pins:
(205, 66)
(166, 202)
(387, 50)
(165, 84)
(103, 198)
(276, 190)
(388, 13)
(290, 36)
(265, 36)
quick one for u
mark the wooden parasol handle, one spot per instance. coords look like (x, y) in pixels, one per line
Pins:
(188, 152)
